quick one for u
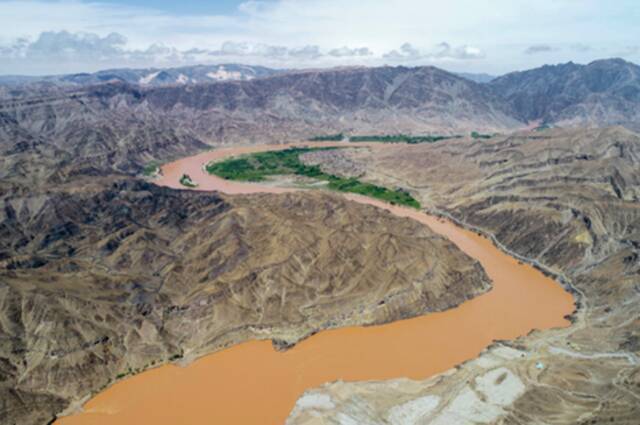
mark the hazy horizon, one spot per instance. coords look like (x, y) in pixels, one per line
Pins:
(71, 36)
(329, 67)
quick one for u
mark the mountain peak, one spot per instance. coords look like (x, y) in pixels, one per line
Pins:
(153, 76)
(603, 92)
(611, 61)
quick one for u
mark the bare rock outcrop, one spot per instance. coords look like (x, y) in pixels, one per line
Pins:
(566, 200)
(100, 282)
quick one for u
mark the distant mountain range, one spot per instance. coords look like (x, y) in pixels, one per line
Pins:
(104, 274)
(150, 76)
(169, 76)
(285, 106)
(129, 124)
(604, 92)
(478, 78)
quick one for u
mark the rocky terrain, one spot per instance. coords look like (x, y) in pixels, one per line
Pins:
(357, 100)
(50, 140)
(565, 199)
(103, 274)
(295, 105)
(303, 104)
(477, 77)
(100, 280)
(194, 74)
(602, 93)
(146, 77)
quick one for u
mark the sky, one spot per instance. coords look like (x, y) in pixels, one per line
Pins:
(43, 37)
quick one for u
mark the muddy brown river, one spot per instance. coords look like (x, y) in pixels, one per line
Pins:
(251, 383)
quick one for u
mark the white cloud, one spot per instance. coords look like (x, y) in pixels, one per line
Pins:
(112, 50)
(539, 48)
(269, 51)
(76, 49)
(231, 48)
(261, 50)
(406, 53)
(62, 45)
(306, 52)
(442, 52)
(446, 51)
(629, 51)
(286, 32)
(345, 51)
(581, 47)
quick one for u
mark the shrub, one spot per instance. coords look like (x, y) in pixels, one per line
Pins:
(185, 180)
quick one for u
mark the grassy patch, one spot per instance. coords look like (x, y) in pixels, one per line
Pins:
(399, 197)
(185, 180)
(476, 135)
(328, 138)
(401, 138)
(256, 167)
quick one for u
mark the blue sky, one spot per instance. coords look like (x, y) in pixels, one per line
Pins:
(63, 36)
(188, 7)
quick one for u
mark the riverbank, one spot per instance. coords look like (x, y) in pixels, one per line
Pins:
(214, 387)
(539, 199)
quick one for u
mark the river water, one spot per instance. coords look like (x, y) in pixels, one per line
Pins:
(251, 383)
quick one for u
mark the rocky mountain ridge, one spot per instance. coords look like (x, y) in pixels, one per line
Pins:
(386, 100)
(291, 106)
(100, 281)
(152, 77)
(601, 93)
(568, 199)
(80, 234)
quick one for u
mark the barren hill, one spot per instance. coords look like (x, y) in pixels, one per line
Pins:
(566, 199)
(602, 93)
(100, 281)
(288, 106)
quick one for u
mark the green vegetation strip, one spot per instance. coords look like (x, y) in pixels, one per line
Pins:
(476, 135)
(255, 167)
(151, 169)
(401, 138)
(328, 138)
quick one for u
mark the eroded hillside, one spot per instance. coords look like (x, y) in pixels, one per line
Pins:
(603, 92)
(102, 275)
(290, 106)
(102, 281)
(567, 199)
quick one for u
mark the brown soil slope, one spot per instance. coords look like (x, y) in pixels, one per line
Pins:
(289, 106)
(103, 281)
(567, 199)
